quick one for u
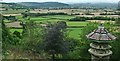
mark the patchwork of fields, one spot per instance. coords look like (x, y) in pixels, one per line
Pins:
(72, 32)
(38, 33)
(74, 27)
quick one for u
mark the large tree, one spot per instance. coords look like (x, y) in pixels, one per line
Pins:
(54, 38)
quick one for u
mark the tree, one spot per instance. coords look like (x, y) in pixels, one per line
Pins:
(24, 15)
(6, 9)
(83, 49)
(32, 39)
(116, 48)
(54, 38)
(16, 33)
(118, 21)
(7, 39)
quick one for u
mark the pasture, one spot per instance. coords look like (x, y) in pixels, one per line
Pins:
(12, 11)
(74, 27)
(72, 32)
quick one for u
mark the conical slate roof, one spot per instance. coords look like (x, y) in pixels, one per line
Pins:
(101, 34)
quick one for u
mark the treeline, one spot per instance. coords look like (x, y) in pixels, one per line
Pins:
(81, 14)
(9, 17)
(91, 18)
(43, 14)
(117, 13)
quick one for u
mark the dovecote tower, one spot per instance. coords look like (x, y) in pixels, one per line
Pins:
(100, 48)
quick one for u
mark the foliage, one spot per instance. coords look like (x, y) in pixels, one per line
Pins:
(54, 38)
(116, 13)
(7, 39)
(10, 17)
(16, 33)
(79, 48)
(115, 44)
(32, 38)
(118, 21)
(78, 19)
(85, 42)
(42, 14)
(91, 18)
(115, 49)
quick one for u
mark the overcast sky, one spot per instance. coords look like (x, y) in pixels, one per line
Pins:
(63, 1)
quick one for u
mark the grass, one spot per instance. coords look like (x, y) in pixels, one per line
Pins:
(19, 17)
(10, 11)
(49, 19)
(45, 21)
(38, 18)
(52, 17)
(65, 17)
(74, 32)
(77, 23)
(13, 30)
(7, 21)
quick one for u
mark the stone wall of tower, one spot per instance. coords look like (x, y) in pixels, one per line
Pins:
(94, 58)
(100, 51)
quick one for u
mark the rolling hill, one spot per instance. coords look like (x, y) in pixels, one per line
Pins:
(43, 4)
(11, 5)
(95, 5)
(57, 5)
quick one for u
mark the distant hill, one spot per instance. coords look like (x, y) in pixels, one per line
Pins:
(57, 5)
(43, 4)
(96, 5)
(11, 5)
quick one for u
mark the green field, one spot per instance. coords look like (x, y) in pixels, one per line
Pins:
(7, 21)
(45, 21)
(38, 18)
(73, 23)
(13, 30)
(56, 18)
(65, 17)
(74, 32)
(10, 11)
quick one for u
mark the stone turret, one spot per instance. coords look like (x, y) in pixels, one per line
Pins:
(100, 48)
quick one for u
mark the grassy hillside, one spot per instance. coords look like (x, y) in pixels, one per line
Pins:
(12, 5)
(58, 5)
(95, 5)
(43, 5)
